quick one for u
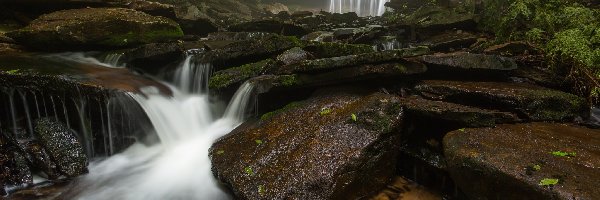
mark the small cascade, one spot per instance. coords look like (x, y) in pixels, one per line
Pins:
(114, 59)
(387, 44)
(176, 165)
(192, 75)
(360, 7)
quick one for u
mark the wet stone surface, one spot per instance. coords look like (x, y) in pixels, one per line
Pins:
(63, 146)
(336, 145)
(525, 161)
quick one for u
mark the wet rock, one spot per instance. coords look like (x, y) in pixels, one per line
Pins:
(243, 52)
(512, 48)
(314, 150)
(4, 39)
(430, 20)
(237, 36)
(301, 14)
(41, 160)
(153, 8)
(63, 146)
(14, 169)
(200, 27)
(11, 48)
(462, 116)
(362, 35)
(464, 60)
(276, 8)
(351, 60)
(293, 56)
(92, 28)
(528, 101)
(454, 40)
(403, 189)
(269, 26)
(319, 36)
(333, 49)
(236, 75)
(151, 57)
(510, 161)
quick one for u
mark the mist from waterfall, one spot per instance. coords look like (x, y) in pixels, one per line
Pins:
(360, 7)
(178, 166)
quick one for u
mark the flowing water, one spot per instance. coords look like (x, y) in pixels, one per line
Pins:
(360, 7)
(178, 166)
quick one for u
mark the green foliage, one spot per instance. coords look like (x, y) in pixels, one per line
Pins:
(548, 182)
(261, 189)
(462, 130)
(13, 72)
(564, 154)
(220, 152)
(258, 142)
(354, 117)
(536, 167)
(325, 111)
(269, 115)
(249, 171)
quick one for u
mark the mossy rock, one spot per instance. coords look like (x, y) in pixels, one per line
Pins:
(529, 101)
(95, 28)
(334, 49)
(525, 161)
(225, 78)
(302, 152)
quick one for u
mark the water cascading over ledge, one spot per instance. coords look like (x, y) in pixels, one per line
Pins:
(360, 7)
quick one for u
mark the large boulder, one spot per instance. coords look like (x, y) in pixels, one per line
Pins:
(63, 146)
(529, 101)
(337, 145)
(525, 161)
(91, 28)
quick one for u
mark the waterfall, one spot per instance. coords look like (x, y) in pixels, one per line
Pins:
(114, 60)
(360, 7)
(177, 166)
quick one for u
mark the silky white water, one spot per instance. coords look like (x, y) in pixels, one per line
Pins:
(177, 167)
(360, 7)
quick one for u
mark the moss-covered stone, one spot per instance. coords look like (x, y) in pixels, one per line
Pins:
(306, 155)
(351, 60)
(91, 28)
(510, 161)
(333, 49)
(228, 77)
(534, 102)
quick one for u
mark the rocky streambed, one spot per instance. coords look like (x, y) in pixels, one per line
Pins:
(343, 105)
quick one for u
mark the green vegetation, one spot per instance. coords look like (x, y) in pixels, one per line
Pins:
(269, 115)
(225, 78)
(536, 167)
(258, 142)
(249, 171)
(13, 72)
(220, 152)
(325, 111)
(564, 154)
(462, 130)
(261, 189)
(548, 182)
(354, 117)
(566, 31)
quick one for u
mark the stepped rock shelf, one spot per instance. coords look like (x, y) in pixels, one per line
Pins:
(145, 100)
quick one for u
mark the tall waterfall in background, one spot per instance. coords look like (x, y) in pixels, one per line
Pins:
(177, 167)
(360, 7)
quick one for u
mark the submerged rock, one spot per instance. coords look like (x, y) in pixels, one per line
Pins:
(525, 161)
(337, 145)
(91, 28)
(532, 102)
(63, 146)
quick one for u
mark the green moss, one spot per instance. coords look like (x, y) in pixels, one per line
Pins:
(289, 80)
(289, 106)
(226, 78)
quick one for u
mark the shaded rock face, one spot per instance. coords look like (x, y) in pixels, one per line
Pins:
(313, 149)
(464, 60)
(530, 101)
(41, 160)
(95, 28)
(14, 169)
(63, 146)
(509, 162)
(455, 113)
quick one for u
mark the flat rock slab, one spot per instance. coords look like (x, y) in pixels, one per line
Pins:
(314, 149)
(530, 101)
(464, 60)
(92, 28)
(458, 114)
(510, 161)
